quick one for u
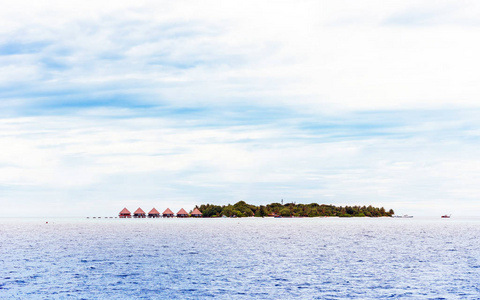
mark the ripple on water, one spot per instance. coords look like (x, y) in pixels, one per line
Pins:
(318, 258)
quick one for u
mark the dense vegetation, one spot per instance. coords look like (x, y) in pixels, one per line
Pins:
(242, 209)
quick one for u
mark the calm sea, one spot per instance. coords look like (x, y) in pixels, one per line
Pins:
(311, 258)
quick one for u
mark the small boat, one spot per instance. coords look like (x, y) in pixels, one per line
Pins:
(446, 216)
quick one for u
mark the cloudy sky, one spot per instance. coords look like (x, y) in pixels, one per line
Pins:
(107, 104)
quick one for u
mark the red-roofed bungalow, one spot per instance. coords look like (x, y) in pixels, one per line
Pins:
(139, 213)
(168, 213)
(125, 213)
(154, 213)
(196, 213)
(182, 214)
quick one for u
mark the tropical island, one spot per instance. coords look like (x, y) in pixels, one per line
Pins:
(243, 209)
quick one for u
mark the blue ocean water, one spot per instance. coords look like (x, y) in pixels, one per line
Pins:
(308, 258)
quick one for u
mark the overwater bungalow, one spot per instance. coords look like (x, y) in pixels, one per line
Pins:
(125, 213)
(168, 213)
(196, 213)
(154, 213)
(139, 213)
(182, 214)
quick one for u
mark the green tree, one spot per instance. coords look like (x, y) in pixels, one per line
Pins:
(285, 212)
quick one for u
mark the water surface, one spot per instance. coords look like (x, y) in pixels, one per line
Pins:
(310, 258)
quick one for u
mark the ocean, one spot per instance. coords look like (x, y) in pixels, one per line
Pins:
(248, 258)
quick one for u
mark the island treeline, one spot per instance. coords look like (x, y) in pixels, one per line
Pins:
(243, 209)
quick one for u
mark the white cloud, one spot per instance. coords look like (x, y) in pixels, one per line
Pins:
(120, 162)
(83, 85)
(290, 53)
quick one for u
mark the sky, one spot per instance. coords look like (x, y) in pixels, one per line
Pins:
(112, 104)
